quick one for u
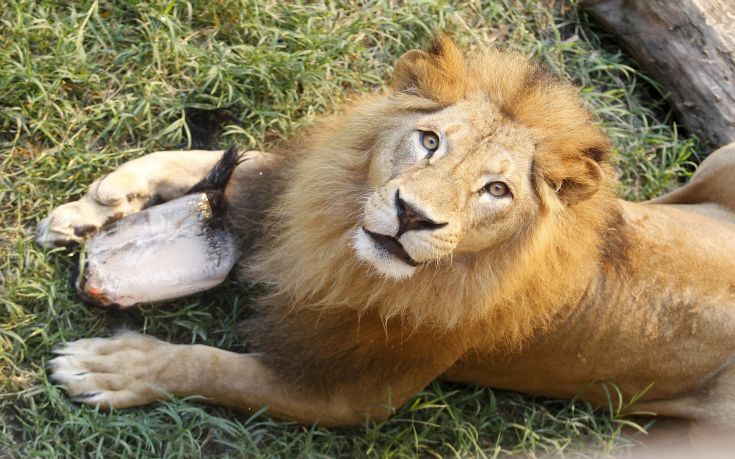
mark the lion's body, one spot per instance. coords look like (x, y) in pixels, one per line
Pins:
(648, 305)
(546, 286)
(665, 316)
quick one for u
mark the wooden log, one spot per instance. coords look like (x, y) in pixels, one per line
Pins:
(689, 47)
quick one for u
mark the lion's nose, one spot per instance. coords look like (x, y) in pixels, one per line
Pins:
(410, 218)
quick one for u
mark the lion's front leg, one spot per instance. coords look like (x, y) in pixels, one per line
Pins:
(119, 372)
(132, 369)
(159, 176)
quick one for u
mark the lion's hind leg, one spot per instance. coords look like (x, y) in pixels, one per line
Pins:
(711, 410)
(712, 184)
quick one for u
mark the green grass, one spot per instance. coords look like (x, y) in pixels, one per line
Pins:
(85, 86)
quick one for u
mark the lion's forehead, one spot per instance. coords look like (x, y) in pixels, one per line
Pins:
(468, 117)
(501, 162)
(478, 122)
(481, 145)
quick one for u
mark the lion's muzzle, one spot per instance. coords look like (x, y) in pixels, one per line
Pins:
(391, 245)
(410, 218)
(397, 235)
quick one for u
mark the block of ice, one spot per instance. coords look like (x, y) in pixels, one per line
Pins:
(163, 252)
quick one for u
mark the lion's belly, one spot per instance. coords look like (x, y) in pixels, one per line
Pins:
(563, 366)
(669, 319)
(577, 356)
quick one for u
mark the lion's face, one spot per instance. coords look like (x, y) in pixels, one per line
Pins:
(459, 182)
(452, 181)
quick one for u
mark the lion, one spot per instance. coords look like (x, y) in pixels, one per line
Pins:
(462, 225)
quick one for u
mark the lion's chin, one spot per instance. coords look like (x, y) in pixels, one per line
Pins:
(383, 262)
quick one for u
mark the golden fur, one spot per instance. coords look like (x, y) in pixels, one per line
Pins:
(309, 261)
(545, 288)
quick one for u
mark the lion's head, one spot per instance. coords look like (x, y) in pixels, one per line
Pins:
(476, 152)
(442, 199)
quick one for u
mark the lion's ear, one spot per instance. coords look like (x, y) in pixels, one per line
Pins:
(579, 181)
(437, 73)
(408, 70)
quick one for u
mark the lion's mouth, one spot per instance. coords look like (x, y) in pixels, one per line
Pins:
(390, 245)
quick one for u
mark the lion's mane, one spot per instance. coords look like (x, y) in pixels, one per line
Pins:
(327, 314)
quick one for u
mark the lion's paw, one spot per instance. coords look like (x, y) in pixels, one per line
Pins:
(110, 198)
(113, 372)
(70, 223)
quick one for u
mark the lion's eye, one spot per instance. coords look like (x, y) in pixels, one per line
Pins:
(429, 140)
(497, 189)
